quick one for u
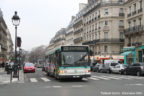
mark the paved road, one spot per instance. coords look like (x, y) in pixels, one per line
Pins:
(100, 84)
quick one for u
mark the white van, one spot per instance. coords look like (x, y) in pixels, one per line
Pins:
(109, 64)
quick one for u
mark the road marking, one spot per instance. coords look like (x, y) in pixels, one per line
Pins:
(33, 80)
(14, 79)
(112, 77)
(77, 86)
(99, 77)
(94, 78)
(56, 86)
(45, 79)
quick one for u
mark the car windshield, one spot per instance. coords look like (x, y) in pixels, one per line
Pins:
(29, 65)
(142, 64)
(74, 58)
(114, 64)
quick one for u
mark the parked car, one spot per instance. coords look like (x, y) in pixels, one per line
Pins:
(118, 69)
(93, 65)
(109, 64)
(135, 69)
(96, 67)
(29, 67)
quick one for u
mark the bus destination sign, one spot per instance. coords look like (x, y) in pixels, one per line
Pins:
(75, 48)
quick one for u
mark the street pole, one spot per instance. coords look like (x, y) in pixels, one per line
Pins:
(15, 21)
(15, 64)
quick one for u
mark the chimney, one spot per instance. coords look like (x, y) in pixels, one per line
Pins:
(81, 6)
(89, 1)
(72, 17)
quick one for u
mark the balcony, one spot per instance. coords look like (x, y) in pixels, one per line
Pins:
(91, 42)
(129, 15)
(77, 40)
(121, 26)
(140, 10)
(78, 31)
(133, 13)
(133, 30)
(121, 14)
(114, 40)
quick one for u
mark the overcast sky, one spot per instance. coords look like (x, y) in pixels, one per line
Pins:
(40, 19)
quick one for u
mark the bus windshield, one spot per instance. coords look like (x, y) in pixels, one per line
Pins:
(74, 58)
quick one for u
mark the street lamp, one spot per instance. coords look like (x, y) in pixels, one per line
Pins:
(16, 22)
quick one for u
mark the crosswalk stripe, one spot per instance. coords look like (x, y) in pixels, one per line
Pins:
(14, 79)
(45, 79)
(99, 77)
(112, 77)
(94, 78)
(33, 80)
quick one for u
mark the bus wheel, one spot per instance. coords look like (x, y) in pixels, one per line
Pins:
(47, 73)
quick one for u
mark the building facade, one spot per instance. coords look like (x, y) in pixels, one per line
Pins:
(103, 27)
(69, 36)
(9, 46)
(134, 31)
(3, 39)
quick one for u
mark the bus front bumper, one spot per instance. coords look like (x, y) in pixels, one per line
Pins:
(74, 76)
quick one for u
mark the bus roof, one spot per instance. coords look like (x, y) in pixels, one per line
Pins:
(59, 49)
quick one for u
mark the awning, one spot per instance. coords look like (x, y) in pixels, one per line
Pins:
(127, 53)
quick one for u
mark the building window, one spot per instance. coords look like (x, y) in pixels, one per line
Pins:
(121, 1)
(140, 21)
(134, 24)
(129, 9)
(105, 48)
(140, 4)
(105, 35)
(105, 23)
(121, 23)
(121, 35)
(134, 7)
(106, 11)
(129, 23)
(121, 10)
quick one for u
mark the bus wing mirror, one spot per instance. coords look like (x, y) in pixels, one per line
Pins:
(91, 53)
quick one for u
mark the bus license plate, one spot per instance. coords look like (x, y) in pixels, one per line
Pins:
(76, 76)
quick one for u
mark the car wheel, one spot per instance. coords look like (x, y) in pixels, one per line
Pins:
(125, 73)
(138, 73)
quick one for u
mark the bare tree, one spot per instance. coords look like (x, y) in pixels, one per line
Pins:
(37, 54)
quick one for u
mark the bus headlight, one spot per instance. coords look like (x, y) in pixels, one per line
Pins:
(60, 71)
(89, 71)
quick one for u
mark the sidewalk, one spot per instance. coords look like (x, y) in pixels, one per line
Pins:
(5, 78)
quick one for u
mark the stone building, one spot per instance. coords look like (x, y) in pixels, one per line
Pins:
(134, 31)
(103, 22)
(3, 39)
(69, 36)
(78, 26)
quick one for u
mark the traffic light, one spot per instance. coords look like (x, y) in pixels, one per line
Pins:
(19, 41)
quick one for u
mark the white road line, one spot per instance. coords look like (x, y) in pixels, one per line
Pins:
(33, 80)
(94, 78)
(99, 77)
(77, 86)
(56, 86)
(112, 77)
(45, 79)
(14, 79)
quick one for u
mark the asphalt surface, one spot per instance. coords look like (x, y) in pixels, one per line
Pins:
(100, 84)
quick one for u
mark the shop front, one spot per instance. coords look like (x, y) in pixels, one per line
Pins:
(140, 54)
(129, 55)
